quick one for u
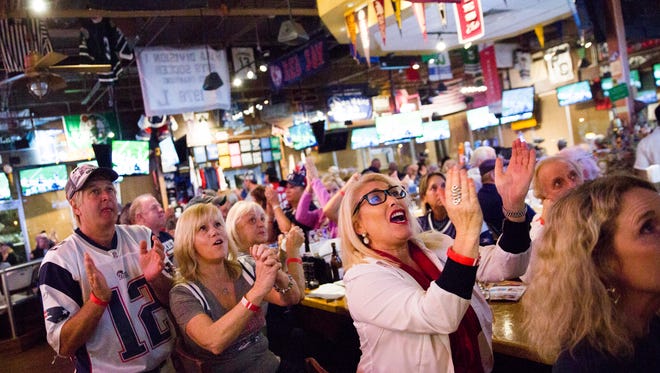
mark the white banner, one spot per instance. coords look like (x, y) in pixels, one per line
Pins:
(172, 79)
(440, 69)
(558, 61)
(243, 59)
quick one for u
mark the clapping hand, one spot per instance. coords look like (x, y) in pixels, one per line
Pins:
(96, 280)
(151, 261)
(513, 184)
(267, 265)
(294, 239)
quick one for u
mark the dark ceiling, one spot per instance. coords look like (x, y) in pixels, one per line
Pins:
(226, 24)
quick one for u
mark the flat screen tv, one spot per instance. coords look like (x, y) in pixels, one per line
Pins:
(574, 93)
(396, 127)
(481, 118)
(277, 154)
(266, 156)
(274, 142)
(302, 136)
(364, 137)
(647, 97)
(42, 179)
(517, 104)
(130, 157)
(434, 131)
(169, 158)
(334, 140)
(656, 74)
(5, 190)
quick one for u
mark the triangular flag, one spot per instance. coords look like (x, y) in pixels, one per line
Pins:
(442, 8)
(379, 8)
(396, 5)
(420, 14)
(364, 33)
(538, 30)
(351, 28)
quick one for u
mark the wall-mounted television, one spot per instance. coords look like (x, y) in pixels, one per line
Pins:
(397, 127)
(364, 137)
(434, 131)
(5, 190)
(334, 140)
(517, 104)
(608, 83)
(656, 74)
(481, 118)
(648, 96)
(574, 93)
(302, 136)
(42, 179)
(265, 143)
(130, 157)
(169, 158)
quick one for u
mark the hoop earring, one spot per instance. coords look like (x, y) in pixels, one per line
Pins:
(365, 239)
(613, 294)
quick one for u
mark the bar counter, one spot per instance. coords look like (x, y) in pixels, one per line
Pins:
(508, 337)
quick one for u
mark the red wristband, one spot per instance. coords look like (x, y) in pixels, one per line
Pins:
(249, 305)
(97, 301)
(462, 259)
(293, 260)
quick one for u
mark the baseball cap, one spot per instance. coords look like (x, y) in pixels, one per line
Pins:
(297, 178)
(489, 165)
(82, 173)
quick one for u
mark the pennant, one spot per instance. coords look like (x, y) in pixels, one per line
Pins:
(420, 14)
(379, 8)
(538, 30)
(364, 33)
(396, 5)
(490, 74)
(469, 20)
(351, 28)
(244, 62)
(442, 8)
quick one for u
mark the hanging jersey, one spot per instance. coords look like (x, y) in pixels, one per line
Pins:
(135, 333)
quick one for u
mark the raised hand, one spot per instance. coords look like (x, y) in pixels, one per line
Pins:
(294, 239)
(96, 280)
(151, 261)
(460, 200)
(267, 266)
(271, 196)
(513, 184)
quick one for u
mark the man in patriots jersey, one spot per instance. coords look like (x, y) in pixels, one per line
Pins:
(103, 292)
(147, 211)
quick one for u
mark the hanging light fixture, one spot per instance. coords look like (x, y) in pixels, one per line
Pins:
(38, 87)
(212, 81)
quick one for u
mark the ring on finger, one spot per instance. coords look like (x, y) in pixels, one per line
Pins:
(455, 189)
(456, 200)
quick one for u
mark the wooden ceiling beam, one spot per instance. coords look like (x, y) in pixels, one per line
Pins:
(195, 12)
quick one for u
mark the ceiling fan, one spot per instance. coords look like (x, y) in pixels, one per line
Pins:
(39, 76)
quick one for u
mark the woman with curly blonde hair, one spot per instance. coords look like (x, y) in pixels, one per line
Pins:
(595, 296)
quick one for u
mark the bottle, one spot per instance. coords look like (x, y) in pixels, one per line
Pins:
(335, 264)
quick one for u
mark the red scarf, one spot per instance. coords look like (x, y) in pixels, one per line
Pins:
(464, 341)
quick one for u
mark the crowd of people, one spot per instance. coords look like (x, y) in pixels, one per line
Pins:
(125, 294)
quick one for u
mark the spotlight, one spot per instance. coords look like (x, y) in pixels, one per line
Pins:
(415, 66)
(250, 74)
(441, 46)
(263, 67)
(237, 82)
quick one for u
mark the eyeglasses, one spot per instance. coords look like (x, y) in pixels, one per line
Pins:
(378, 196)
